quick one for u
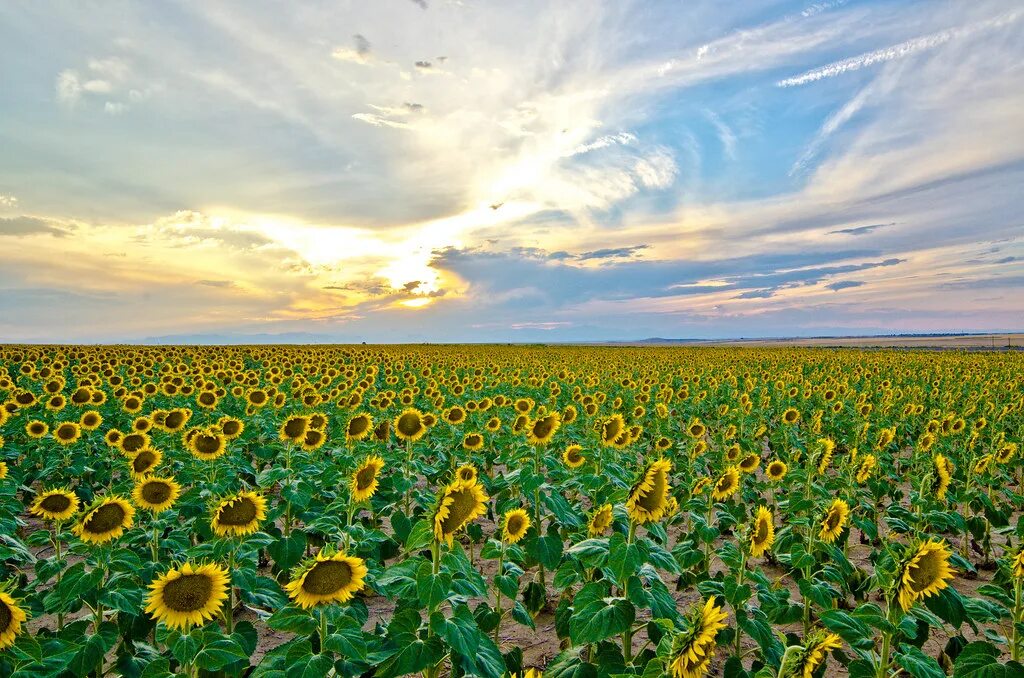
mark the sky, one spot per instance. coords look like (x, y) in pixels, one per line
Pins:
(466, 170)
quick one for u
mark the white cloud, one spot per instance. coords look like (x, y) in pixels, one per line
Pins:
(114, 108)
(898, 51)
(69, 87)
(8, 200)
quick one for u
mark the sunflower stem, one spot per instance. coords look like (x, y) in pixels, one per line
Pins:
(1014, 641)
(229, 610)
(323, 628)
(627, 635)
(739, 583)
(60, 571)
(497, 595)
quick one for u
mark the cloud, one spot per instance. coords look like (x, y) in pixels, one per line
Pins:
(360, 52)
(424, 65)
(8, 201)
(861, 230)
(611, 253)
(422, 3)
(19, 226)
(899, 51)
(69, 87)
(216, 283)
(844, 284)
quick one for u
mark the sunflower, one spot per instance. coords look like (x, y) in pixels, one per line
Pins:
(328, 578)
(923, 572)
(188, 595)
(293, 429)
(983, 463)
(472, 442)
(825, 448)
(573, 456)
(692, 649)
(3, 464)
(313, 440)
(11, 618)
(458, 504)
(790, 416)
(763, 534)
(58, 503)
(834, 521)
(865, 468)
(813, 653)
(359, 426)
(1006, 453)
(776, 470)
(943, 474)
(113, 438)
(648, 497)
(493, 424)
(466, 473)
(156, 494)
(454, 415)
(239, 514)
(364, 481)
(700, 486)
(515, 525)
(1017, 564)
(91, 420)
(409, 425)
(540, 431)
(727, 484)
(600, 520)
(105, 520)
(750, 463)
(36, 429)
(67, 433)
(207, 444)
(133, 442)
(143, 463)
(230, 427)
(610, 429)
(696, 429)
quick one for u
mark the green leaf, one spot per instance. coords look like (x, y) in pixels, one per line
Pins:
(347, 639)
(600, 619)
(981, 660)
(850, 629)
(432, 588)
(918, 664)
(420, 536)
(294, 620)
(89, 655)
(220, 653)
(547, 550)
(286, 552)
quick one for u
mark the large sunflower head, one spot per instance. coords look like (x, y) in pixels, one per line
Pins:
(231, 427)
(314, 439)
(750, 463)
(834, 520)
(648, 499)
(105, 520)
(762, 535)
(56, 504)
(472, 442)
(36, 429)
(11, 619)
(693, 649)
(600, 520)
(776, 470)
(359, 426)
(364, 480)
(541, 430)
(728, 484)
(812, 654)
(611, 429)
(943, 476)
(923, 572)
(156, 494)
(293, 429)
(67, 433)
(207, 444)
(514, 525)
(143, 463)
(90, 420)
(409, 425)
(239, 514)
(188, 595)
(329, 578)
(865, 468)
(790, 416)
(133, 442)
(459, 504)
(573, 456)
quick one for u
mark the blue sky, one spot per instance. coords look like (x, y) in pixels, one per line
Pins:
(460, 170)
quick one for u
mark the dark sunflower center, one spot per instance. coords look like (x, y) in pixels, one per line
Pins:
(542, 429)
(925, 572)
(762, 532)
(466, 474)
(832, 520)
(207, 444)
(6, 617)
(104, 519)
(66, 432)
(89, 420)
(241, 511)
(515, 524)
(365, 477)
(156, 492)
(133, 442)
(143, 461)
(187, 593)
(654, 498)
(174, 420)
(575, 456)
(231, 428)
(55, 503)
(257, 397)
(463, 503)
(724, 484)
(294, 428)
(36, 429)
(313, 437)
(327, 577)
(473, 441)
(409, 424)
(358, 425)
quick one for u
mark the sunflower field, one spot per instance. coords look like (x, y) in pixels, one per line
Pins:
(572, 512)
